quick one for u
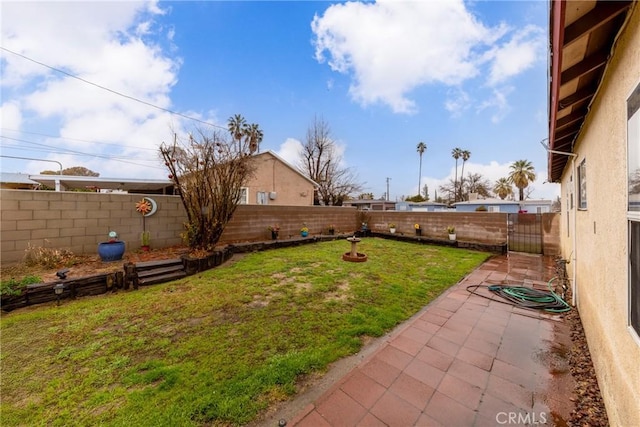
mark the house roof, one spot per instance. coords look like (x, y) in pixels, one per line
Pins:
(492, 201)
(426, 203)
(125, 184)
(368, 202)
(16, 178)
(487, 202)
(583, 35)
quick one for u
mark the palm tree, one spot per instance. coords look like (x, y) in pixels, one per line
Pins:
(503, 188)
(237, 126)
(456, 153)
(421, 147)
(522, 173)
(465, 154)
(254, 135)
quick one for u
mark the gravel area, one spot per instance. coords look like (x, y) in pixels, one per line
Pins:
(589, 407)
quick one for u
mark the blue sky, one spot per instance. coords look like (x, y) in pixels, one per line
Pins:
(384, 75)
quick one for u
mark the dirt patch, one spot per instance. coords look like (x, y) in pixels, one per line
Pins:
(589, 406)
(87, 265)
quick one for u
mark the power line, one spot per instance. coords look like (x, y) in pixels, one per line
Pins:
(77, 139)
(111, 90)
(58, 150)
(78, 153)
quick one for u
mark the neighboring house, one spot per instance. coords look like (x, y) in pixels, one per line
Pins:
(594, 152)
(490, 205)
(505, 206)
(421, 207)
(371, 204)
(104, 185)
(17, 181)
(276, 182)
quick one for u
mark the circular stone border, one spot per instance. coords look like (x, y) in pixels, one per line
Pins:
(359, 258)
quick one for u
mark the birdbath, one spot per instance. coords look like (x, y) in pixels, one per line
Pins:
(353, 255)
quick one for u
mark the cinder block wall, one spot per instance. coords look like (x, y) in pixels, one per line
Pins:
(480, 227)
(251, 222)
(551, 234)
(79, 221)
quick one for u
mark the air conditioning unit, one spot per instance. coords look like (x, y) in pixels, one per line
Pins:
(272, 195)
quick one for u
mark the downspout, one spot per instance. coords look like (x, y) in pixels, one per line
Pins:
(574, 289)
(574, 269)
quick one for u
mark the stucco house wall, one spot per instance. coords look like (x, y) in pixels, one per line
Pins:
(597, 243)
(279, 182)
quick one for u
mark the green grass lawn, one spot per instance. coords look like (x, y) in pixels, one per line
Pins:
(215, 348)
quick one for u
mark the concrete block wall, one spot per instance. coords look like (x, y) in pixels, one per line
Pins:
(251, 222)
(551, 234)
(481, 227)
(79, 221)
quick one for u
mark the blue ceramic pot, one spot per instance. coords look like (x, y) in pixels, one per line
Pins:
(111, 251)
(304, 233)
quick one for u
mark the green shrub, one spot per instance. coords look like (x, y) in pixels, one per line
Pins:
(14, 287)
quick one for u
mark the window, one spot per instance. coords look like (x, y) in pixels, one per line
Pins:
(261, 198)
(244, 196)
(494, 208)
(633, 207)
(582, 185)
(571, 191)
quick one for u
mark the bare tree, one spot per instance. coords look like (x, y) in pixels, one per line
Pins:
(476, 183)
(209, 172)
(448, 191)
(321, 162)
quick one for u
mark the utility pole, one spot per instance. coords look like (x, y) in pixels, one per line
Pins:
(388, 179)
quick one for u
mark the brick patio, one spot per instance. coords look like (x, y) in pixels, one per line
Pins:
(463, 360)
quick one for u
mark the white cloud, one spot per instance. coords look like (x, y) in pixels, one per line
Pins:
(105, 43)
(516, 55)
(290, 151)
(10, 115)
(498, 103)
(457, 101)
(393, 47)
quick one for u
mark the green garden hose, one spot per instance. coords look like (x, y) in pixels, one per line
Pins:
(525, 297)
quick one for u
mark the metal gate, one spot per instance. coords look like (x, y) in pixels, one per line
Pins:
(525, 233)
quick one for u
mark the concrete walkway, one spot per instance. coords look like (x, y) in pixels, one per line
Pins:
(462, 361)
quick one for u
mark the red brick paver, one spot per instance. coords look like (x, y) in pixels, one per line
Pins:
(463, 361)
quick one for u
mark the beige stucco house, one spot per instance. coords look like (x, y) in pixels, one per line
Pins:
(276, 182)
(594, 152)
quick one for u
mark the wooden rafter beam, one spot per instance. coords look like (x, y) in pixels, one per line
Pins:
(590, 63)
(574, 98)
(600, 15)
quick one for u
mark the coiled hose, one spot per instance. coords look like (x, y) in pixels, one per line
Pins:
(525, 297)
